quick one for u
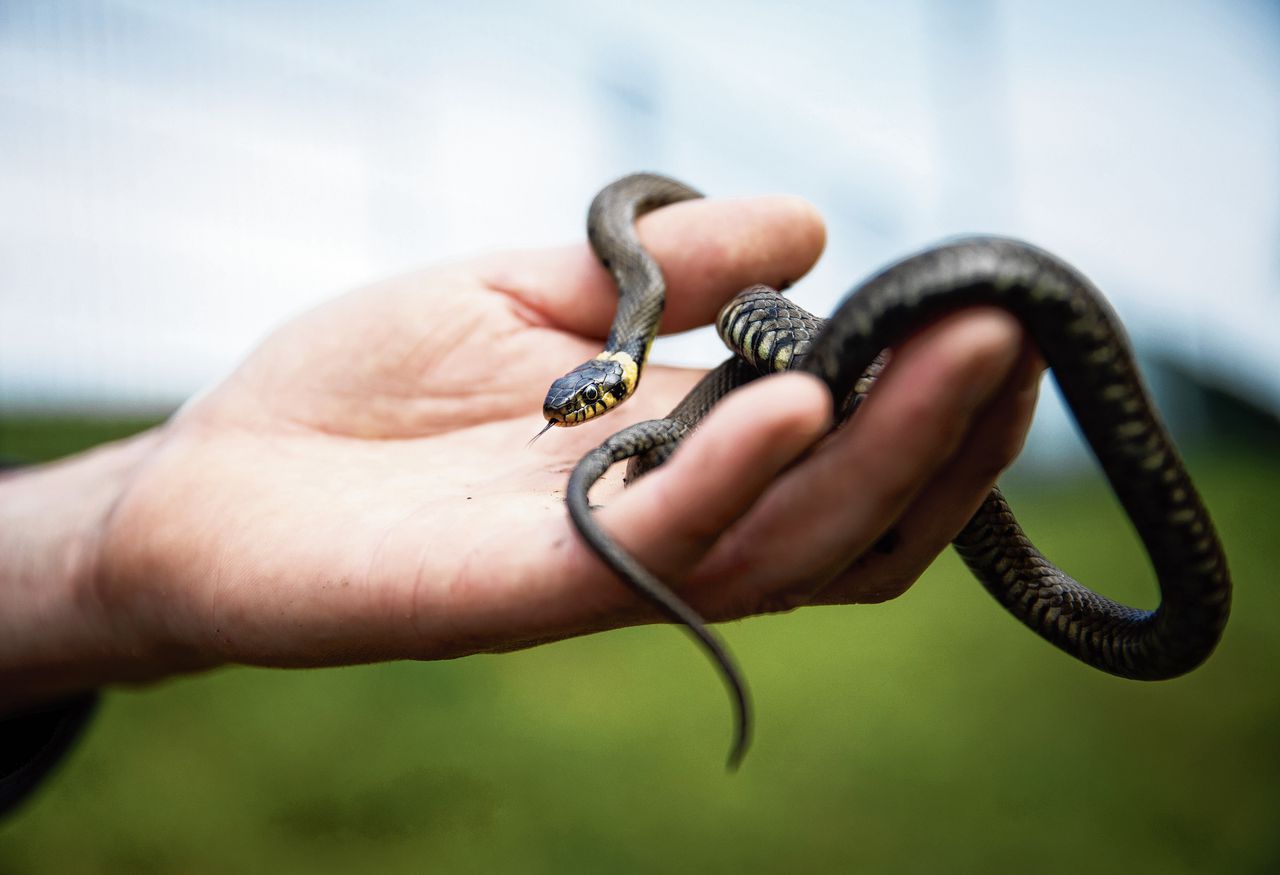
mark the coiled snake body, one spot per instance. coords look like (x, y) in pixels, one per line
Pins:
(1081, 340)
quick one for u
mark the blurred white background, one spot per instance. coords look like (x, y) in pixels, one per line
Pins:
(178, 177)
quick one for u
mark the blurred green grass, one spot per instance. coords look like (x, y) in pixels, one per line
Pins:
(930, 734)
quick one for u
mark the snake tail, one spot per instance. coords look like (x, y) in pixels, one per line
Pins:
(630, 443)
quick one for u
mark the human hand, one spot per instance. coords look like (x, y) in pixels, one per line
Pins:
(359, 489)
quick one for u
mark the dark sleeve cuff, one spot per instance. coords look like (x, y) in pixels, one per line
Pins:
(32, 744)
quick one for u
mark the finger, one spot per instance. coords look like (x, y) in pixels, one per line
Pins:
(939, 513)
(671, 518)
(709, 250)
(827, 511)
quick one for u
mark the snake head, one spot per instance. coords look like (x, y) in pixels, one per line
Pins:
(590, 389)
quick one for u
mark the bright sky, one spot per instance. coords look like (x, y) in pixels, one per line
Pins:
(178, 177)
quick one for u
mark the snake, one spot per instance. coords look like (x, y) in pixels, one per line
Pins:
(1080, 338)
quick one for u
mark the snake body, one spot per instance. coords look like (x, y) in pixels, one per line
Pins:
(1084, 345)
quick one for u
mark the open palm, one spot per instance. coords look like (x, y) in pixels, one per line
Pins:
(360, 487)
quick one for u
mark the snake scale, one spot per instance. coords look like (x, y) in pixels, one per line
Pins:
(1080, 338)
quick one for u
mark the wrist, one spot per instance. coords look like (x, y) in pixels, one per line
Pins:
(57, 633)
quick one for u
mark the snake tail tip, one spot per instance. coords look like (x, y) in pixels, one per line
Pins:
(741, 739)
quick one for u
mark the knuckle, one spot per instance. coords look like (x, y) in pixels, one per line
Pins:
(798, 593)
(782, 602)
(885, 589)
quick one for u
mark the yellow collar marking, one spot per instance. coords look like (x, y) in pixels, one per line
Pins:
(630, 370)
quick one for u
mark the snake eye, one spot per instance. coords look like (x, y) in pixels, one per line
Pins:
(591, 394)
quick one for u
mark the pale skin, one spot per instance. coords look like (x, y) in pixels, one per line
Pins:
(359, 489)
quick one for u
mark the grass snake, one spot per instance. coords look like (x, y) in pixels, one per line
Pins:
(1078, 335)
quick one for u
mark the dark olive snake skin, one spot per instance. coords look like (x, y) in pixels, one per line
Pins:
(611, 219)
(1084, 345)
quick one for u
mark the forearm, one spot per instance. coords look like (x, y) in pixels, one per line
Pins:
(57, 637)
